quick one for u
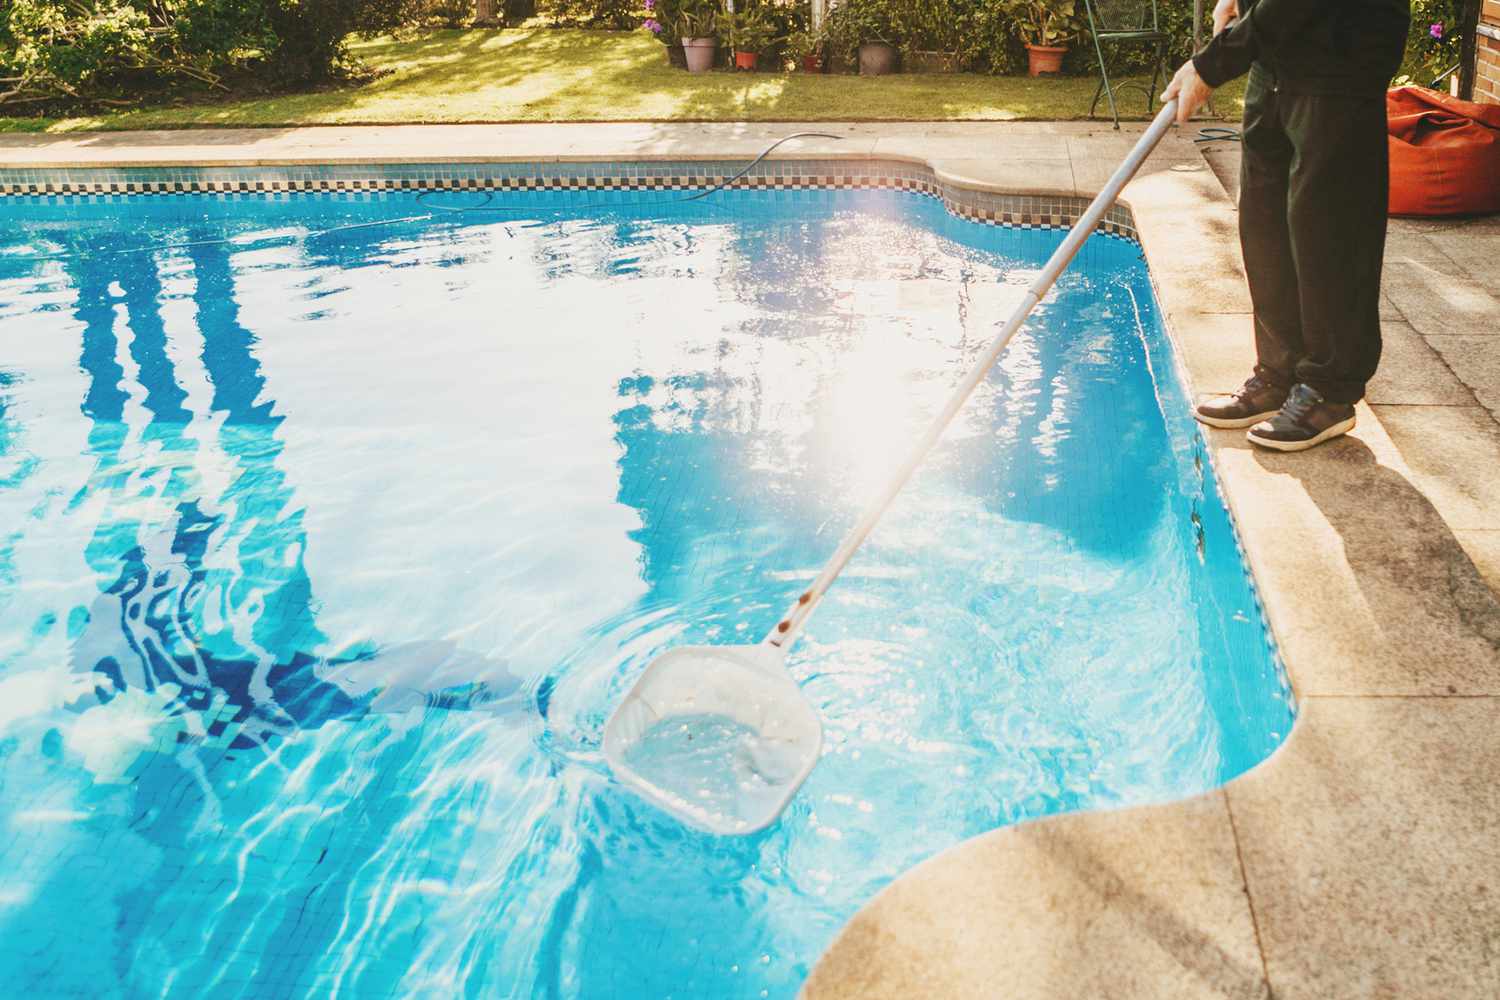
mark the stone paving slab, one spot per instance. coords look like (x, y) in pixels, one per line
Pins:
(1132, 905)
(1437, 298)
(1360, 859)
(541, 142)
(1412, 371)
(1483, 546)
(1367, 589)
(1475, 361)
(1371, 853)
(1217, 347)
(1454, 457)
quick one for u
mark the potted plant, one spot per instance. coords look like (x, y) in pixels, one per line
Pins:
(662, 18)
(865, 33)
(697, 24)
(877, 58)
(1046, 28)
(878, 23)
(750, 32)
(805, 49)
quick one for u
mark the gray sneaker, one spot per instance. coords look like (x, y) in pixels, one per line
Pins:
(1253, 402)
(1306, 420)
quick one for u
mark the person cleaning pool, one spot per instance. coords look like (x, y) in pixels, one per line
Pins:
(1314, 185)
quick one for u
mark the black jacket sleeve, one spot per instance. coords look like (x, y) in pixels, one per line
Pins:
(1263, 27)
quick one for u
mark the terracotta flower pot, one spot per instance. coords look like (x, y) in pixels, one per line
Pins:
(700, 54)
(745, 60)
(1045, 58)
(812, 64)
(876, 59)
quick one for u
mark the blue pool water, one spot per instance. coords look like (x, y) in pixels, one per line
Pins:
(325, 553)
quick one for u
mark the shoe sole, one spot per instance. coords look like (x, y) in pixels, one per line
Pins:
(1337, 430)
(1234, 423)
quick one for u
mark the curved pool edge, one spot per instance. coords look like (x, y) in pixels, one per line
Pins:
(1346, 862)
(1298, 877)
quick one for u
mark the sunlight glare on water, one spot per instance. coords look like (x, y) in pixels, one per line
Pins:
(325, 554)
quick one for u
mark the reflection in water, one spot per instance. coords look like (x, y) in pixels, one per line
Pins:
(237, 635)
(324, 558)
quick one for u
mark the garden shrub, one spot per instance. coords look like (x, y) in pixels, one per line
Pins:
(935, 25)
(994, 42)
(309, 35)
(224, 32)
(415, 15)
(611, 14)
(112, 50)
(786, 18)
(982, 32)
(51, 49)
(1433, 43)
(853, 23)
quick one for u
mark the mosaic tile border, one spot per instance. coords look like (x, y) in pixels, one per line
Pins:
(1022, 211)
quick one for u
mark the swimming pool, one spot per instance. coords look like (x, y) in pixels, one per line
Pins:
(326, 548)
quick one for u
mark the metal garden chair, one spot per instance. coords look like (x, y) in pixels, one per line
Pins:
(1126, 22)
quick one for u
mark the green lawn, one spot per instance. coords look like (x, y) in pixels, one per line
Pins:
(537, 74)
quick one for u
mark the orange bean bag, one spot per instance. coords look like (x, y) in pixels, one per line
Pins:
(1445, 153)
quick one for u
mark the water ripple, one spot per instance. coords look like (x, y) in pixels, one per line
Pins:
(330, 535)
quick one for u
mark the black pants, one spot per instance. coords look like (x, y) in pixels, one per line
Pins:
(1314, 184)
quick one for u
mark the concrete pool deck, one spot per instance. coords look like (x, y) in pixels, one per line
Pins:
(1363, 858)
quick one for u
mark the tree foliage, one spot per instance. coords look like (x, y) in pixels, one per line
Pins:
(78, 48)
(619, 15)
(106, 50)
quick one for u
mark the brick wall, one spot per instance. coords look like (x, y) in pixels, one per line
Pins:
(1487, 57)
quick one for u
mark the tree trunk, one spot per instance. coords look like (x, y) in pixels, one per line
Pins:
(517, 11)
(1468, 49)
(484, 14)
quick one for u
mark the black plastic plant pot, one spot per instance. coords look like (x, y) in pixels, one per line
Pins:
(877, 59)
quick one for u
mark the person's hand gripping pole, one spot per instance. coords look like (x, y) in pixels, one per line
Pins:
(1187, 86)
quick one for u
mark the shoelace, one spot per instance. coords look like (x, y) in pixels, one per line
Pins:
(1253, 385)
(1300, 403)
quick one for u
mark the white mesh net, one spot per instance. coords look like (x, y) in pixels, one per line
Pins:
(719, 736)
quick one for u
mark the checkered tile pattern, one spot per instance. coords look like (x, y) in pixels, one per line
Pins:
(1022, 211)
